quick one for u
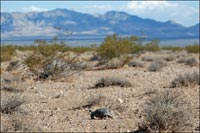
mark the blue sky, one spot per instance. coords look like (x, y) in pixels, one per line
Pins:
(183, 12)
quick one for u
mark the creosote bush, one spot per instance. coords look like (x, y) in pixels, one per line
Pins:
(152, 46)
(115, 45)
(172, 48)
(166, 111)
(7, 52)
(187, 79)
(112, 81)
(193, 48)
(34, 62)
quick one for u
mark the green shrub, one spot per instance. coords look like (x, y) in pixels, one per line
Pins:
(115, 45)
(152, 46)
(192, 48)
(34, 62)
(48, 50)
(81, 49)
(7, 52)
(172, 48)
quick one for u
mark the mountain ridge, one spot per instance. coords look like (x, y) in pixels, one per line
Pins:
(17, 24)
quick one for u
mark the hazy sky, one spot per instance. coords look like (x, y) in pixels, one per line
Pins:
(183, 12)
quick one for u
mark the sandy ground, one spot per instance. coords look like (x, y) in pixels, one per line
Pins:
(59, 106)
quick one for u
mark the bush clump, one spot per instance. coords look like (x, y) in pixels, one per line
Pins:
(169, 58)
(112, 81)
(7, 52)
(135, 63)
(191, 61)
(156, 65)
(172, 48)
(114, 63)
(148, 58)
(152, 46)
(192, 48)
(167, 111)
(186, 79)
(11, 104)
(115, 45)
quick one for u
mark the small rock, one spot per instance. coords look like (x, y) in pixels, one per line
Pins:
(58, 95)
(120, 100)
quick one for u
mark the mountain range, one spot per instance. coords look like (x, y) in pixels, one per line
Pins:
(61, 22)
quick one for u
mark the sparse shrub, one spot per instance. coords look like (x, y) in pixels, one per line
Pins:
(186, 79)
(112, 81)
(19, 123)
(191, 61)
(95, 100)
(79, 65)
(169, 58)
(114, 63)
(52, 67)
(167, 111)
(7, 52)
(45, 67)
(12, 65)
(152, 46)
(135, 63)
(11, 104)
(81, 49)
(10, 89)
(192, 48)
(34, 62)
(148, 58)
(49, 50)
(173, 48)
(181, 60)
(156, 65)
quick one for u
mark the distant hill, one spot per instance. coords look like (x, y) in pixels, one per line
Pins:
(61, 21)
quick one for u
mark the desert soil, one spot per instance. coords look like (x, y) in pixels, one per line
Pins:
(58, 106)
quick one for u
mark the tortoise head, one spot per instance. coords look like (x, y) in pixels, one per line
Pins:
(92, 116)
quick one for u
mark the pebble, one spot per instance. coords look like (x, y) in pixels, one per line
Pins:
(120, 100)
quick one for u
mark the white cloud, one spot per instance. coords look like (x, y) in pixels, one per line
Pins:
(34, 9)
(96, 9)
(106, 7)
(163, 11)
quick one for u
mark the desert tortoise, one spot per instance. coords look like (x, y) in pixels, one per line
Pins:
(102, 113)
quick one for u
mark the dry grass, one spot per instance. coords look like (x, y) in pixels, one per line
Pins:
(148, 58)
(135, 63)
(187, 79)
(191, 61)
(114, 63)
(167, 111)
(11, 104)
(156, 65)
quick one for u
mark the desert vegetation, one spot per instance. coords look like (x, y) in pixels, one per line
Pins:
(54, 87)
(166, 112)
